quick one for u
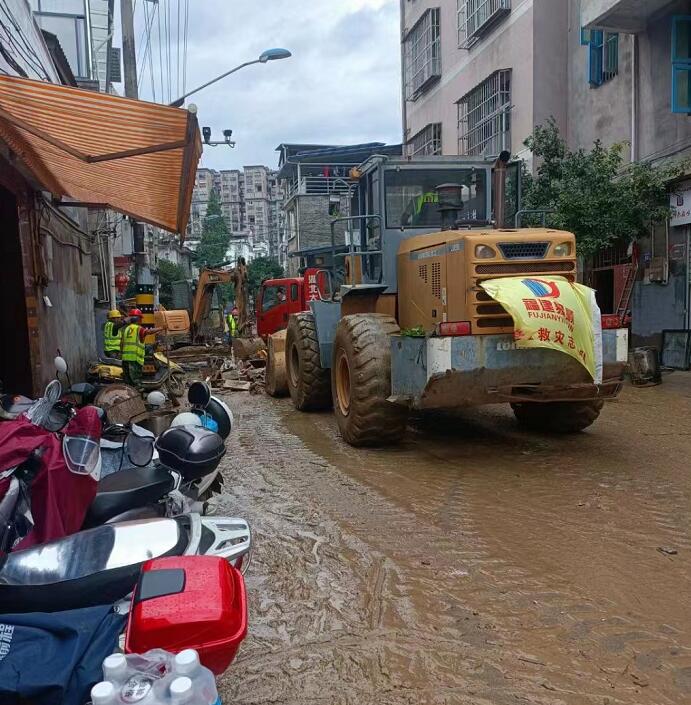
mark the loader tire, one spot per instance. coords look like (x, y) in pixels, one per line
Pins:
(308, 382)
(361, 381)
(276, 382)
(557, 416)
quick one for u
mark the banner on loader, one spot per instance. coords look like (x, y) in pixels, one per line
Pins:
(553, 313)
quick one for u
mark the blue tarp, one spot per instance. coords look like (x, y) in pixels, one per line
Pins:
(55, 659)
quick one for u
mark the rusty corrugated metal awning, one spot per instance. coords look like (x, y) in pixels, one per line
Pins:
(135, 157)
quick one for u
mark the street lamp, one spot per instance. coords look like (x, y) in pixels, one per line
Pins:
(265, 56)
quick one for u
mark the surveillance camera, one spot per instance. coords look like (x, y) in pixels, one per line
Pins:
(227, 134)
(206, 132)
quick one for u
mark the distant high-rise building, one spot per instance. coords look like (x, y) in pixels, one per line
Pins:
(250, 203)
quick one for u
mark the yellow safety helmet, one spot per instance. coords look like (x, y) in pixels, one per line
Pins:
(114, 315)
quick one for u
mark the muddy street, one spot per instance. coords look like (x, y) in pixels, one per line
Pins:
(474, 564)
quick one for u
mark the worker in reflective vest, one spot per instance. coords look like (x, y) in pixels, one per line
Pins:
(422, 209)
(133, 348)
(112, 334)
(232, 321)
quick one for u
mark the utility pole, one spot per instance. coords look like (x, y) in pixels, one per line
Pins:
(145, 280)
(129, 55)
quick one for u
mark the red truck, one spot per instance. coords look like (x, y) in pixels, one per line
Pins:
(278, 298)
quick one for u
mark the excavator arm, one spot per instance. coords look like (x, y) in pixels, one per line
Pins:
(209, 279)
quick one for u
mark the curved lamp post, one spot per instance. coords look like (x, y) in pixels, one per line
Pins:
(266, 56)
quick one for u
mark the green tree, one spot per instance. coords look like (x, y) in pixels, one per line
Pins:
(168, 272)
(259, 269)
(215, 238)
(595, 194)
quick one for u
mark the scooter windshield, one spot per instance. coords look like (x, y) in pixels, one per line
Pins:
(82, 455)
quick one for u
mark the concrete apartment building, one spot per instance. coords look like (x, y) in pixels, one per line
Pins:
(478, 75)
(314, 177)
(251, 205)
(84, 29)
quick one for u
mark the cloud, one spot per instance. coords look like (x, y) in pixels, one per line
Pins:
(341, 86)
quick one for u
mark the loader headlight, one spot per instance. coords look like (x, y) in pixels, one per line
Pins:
(484, 252)
(562, 250)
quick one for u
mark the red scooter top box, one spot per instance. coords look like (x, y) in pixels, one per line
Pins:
(189, 602)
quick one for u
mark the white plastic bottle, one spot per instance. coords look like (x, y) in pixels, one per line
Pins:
(181, 691)
(187, 664)
(115, 668)
(104, 693)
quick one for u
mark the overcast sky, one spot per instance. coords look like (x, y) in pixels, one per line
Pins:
(342, 85)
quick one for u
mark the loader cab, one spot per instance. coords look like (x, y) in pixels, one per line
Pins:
(396, 199)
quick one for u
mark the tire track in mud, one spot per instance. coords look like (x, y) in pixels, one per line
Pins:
(586, 627)
(363, 590)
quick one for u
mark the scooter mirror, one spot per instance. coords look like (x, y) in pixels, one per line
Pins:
(58, 417)
(139, 448)
(61, 365)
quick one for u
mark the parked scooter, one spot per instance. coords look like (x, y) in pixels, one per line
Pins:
(185, 475)
(101, 564)
(186, 472)
(146, 490)
(167, 374)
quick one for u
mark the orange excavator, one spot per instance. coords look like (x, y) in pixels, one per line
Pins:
(202, 322)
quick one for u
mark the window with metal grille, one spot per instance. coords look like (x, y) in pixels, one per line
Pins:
(422, 50)
(427, 141)
(484, 117)
(476, 17)
(681, 64)
(603, 55)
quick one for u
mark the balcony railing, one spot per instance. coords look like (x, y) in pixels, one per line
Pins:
(316, 186)
(477, 17)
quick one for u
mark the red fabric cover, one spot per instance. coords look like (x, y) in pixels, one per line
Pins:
(59, 498)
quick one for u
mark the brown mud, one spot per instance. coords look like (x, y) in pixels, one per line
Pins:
(474, 564)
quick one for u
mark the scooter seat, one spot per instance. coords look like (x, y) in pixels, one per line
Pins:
(110, 361)
(94, 567)
(125, 490)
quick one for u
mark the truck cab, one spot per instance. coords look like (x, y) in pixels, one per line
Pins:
(279, 298)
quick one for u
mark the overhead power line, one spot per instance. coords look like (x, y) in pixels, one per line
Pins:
(160, 50)
(177, 51)
(168, 62)
(184, 53)
(24, 46)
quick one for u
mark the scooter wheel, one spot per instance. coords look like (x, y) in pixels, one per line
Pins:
(176, 384)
